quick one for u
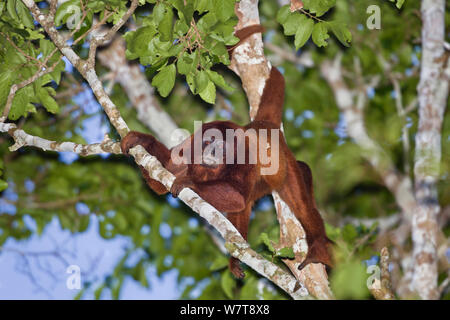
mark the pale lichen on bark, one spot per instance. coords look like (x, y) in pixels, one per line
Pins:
(432, 96)
(23, 139)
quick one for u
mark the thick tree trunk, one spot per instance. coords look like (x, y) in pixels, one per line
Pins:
(432, 95)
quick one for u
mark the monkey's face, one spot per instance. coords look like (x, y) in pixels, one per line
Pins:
(214, 152)
(210, 163)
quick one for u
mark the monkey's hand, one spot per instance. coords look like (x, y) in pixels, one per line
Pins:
(129, 141)
(179, 184)
(134, 138)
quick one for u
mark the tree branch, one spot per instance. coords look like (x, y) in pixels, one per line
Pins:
(103, 38)
(382, 290)
(22, 139)
(353, 112)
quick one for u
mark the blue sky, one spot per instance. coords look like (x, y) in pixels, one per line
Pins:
(94, 255)
(88, 250)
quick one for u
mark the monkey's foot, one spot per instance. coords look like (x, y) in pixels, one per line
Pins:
(318, 252)
(235, 268)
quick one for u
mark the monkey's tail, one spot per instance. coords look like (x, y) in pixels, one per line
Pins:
(243, 34)
(272, 100)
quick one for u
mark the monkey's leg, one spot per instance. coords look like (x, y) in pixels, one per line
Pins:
(240, 220)
(297, 192)
(155, 148)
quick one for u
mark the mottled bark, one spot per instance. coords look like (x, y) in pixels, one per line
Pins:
(381, 290)
(432, 95)
(420, 204)
(22, 139)
(352, 103)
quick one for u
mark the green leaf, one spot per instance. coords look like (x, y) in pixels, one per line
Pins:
(98, 292)
(348, 281)
(220, 263)
(47, 101)
(319, 7)
(264, 238)
(286, 252)
(3, 185)
(341, 32)
(209, 93)
(202, 5)
(139, 274)
(166, 25)
(320, 34)
(292, 23)
(228, 284)
(11, 7)
(400, 3)
(219, 80)
(221, 52)
(22, 103)
(184, 64)
(185, 9)
(18, 11)
(191, 83)
(283, 14)
(6, 80)
(138, 41)
(201, 80)
(158, 12)
(66, 10)
(224, 9)
(180, 28)
(165, 80)
(120, 221)
(349, 233)
(304, 31)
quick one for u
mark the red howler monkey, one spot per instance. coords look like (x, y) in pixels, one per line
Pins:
(234, 187)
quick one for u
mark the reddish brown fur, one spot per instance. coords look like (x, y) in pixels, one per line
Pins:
(233, 188)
